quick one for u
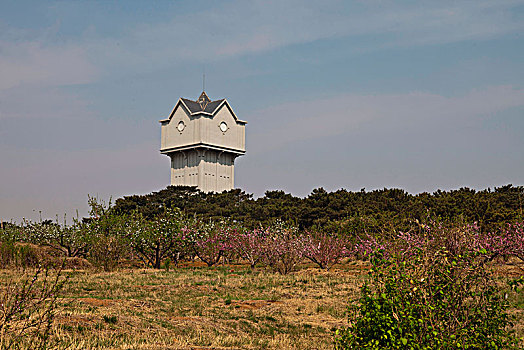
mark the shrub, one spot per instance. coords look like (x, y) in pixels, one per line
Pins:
(7, 253)
(104, 234)
(438, 294)
(506, 242)
(27, 310)
(107, 251)
(19, 255)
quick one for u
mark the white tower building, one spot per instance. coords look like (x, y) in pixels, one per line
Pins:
(203, 138)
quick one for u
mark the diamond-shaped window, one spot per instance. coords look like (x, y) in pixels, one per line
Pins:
(203, 100)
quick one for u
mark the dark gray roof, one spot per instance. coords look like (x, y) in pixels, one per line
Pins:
(205, 105)
(211, 106)
(192, 105)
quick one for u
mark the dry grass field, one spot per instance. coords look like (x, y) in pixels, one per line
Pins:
(196, 307)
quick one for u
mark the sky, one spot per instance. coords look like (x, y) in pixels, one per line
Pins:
(418, 95)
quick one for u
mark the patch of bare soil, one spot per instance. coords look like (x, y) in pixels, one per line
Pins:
(75, 320)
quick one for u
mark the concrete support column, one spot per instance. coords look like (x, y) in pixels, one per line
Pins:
(201, 160)
(232, 169)
(217, 171)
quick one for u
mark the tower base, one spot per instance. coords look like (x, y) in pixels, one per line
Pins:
(208, 169)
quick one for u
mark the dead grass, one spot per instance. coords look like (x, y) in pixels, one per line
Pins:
(193, 307)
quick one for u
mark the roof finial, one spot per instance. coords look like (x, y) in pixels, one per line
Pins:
(204, 80)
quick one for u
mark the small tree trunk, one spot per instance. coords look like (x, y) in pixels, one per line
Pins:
(157, 258)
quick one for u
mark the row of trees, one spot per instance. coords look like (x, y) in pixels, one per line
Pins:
(106, 239)
(339, 211)
(109, 236)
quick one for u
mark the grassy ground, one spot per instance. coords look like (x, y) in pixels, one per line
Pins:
(196, 307)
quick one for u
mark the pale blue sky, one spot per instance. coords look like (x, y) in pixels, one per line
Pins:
(419, 95)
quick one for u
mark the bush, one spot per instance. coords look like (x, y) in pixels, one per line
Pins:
(7, 253)
(437, 295)
(27, 310)
(107, 251)
(19, 255)
(105, 236)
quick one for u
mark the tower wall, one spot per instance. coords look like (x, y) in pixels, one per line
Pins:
(172, 137)
(209, 170)
(210, 132)
(202, 129)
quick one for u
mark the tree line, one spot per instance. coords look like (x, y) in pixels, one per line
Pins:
(339, 211)
(180, 223)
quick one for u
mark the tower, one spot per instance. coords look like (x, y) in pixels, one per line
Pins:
(202, 138)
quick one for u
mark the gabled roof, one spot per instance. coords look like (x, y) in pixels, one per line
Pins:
(195, 107)
(203, 105)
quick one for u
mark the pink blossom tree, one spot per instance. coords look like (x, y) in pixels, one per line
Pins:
(208, 240)
(509, 241)
(324, 249)
(249, 245)
(282, 248)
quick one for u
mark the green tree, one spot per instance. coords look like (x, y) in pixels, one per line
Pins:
(154, 240)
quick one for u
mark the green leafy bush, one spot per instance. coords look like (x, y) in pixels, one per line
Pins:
(439, 295)
(105, 237)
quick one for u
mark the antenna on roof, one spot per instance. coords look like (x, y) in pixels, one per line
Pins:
(204, 80)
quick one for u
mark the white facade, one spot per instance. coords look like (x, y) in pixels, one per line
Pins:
(203, 138)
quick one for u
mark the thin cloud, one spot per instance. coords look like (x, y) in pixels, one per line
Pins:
(416, 141)
(32, 63)
(313, 120)
(34, 103)
(241, 28)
